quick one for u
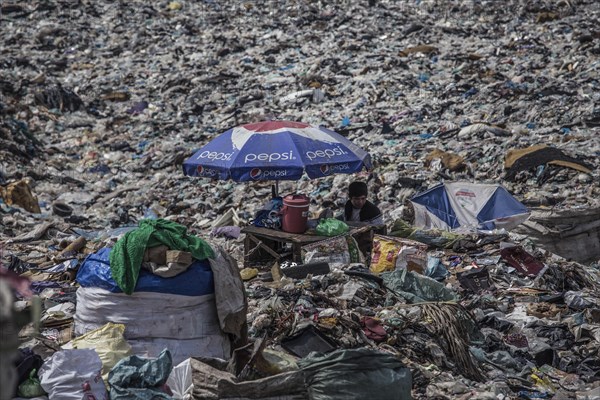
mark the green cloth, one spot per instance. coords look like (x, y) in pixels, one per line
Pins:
(128, 253)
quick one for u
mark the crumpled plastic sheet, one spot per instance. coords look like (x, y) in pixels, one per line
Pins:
(416, 288)
(141, 379)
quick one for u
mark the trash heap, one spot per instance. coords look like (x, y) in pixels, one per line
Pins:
(100, 103)
(469, 315)
(474, 316)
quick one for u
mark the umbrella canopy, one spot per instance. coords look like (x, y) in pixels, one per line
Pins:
(276, 150)
(463, 205)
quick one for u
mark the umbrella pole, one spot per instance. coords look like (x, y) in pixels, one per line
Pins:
(275, 189)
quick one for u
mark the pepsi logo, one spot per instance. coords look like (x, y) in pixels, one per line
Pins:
(327, 169)
(255, 173)
(203, 171)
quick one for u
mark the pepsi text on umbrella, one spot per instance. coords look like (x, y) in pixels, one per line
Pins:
(270, 157)
(213, 155)
(330, 169)
(257, 173)
(328, 153)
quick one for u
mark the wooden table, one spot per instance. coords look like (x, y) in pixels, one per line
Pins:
(268, 240)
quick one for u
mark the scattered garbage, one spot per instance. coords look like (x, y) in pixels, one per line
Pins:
(19, 194)
(101, 104)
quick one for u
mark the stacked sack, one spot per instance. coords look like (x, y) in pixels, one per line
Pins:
(176, 311)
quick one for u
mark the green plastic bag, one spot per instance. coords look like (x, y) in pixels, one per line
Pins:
(31, 386)
(331, 227)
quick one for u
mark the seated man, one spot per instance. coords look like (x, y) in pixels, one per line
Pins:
(358, 210)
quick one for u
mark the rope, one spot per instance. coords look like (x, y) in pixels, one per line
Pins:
(449, 322)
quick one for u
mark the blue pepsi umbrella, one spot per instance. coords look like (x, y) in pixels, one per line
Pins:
(468, 206)
(276, 150)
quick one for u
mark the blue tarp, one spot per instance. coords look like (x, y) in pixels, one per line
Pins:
(465, 205)
(197, 280)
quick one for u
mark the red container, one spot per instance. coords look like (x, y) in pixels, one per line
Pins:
(294, 213)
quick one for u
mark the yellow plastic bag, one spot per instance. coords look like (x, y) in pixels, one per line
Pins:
(386, 249)
(109, 343)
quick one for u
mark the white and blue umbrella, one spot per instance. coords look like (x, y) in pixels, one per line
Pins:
(468, 206)
(276, 150)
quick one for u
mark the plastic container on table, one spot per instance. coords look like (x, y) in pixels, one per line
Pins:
(294, 214)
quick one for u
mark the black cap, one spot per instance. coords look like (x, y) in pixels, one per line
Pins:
(357, 189)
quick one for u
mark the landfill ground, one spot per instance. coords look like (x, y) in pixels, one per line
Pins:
(101, 102)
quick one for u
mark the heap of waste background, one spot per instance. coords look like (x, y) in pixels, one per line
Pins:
(101, 102)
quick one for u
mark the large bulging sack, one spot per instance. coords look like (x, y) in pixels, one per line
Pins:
(73, 375)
